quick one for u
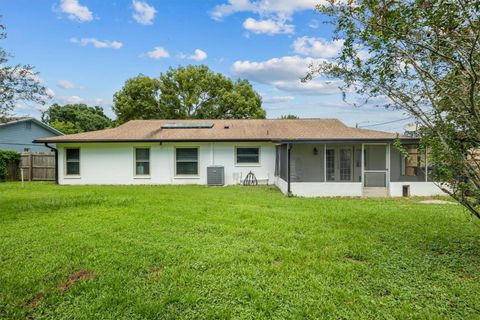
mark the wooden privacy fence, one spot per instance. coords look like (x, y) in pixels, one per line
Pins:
(37, 166)
(13, 171)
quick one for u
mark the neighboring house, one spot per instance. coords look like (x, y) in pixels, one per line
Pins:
(18, 135)
(304, 157)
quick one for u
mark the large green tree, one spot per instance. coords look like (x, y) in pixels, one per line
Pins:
(192, 92)
(75, 118)
(17, 83)
(422, 57)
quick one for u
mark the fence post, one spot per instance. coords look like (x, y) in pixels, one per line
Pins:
(30, 156)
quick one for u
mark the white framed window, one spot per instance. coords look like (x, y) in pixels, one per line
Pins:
(142, 161)
(72, 161)
(186, 161)
(247, 155)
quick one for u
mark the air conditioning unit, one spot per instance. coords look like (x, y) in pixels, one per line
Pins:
(215, 175)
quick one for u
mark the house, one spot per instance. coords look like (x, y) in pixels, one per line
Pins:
(17, 134)
(304, 157)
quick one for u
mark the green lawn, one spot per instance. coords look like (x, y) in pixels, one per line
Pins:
(193, 252)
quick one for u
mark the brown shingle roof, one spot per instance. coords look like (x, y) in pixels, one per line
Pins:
(227, 130)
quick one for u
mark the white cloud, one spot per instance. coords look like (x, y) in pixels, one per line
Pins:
(144, 13)
(78, 99)
(50, 93)
(273, 14)
(318, 47)
(314, 24)
(65, 84)
(76, 11)
(268, 26)
(198, 55)
(284, 74)
(70, 99)
(322, 48)
(277, 99)
(100, 44)
(312, 87)
(157, 53)
(281, 8)
(287, 68)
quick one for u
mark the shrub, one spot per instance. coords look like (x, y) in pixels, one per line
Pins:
(5, 157)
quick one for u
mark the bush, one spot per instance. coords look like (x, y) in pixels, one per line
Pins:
(5, 157)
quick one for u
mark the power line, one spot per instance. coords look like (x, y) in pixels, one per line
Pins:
(388, 122)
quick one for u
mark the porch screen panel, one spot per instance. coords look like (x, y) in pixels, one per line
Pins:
(277, 161)
(375, 157)
(375, 179)
(283, 162)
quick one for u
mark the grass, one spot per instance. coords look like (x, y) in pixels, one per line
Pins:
(193, 252)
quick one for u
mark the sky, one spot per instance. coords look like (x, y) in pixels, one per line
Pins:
(85, 50)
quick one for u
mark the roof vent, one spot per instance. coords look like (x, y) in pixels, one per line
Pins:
(197, 125)
(226, 126)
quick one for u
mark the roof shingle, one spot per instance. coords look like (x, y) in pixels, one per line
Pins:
(228, 130)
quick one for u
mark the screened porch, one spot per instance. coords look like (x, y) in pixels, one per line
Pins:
(335, 163)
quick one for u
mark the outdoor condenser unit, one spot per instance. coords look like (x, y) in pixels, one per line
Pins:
(215, 175)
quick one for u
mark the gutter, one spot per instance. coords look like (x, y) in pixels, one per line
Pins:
(147, 141)
(56, 160)
(274, 140)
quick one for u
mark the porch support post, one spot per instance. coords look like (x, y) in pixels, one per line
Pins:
(426, 164)
(289, 191)
(363, 165)
(387, 166)
(325, 162)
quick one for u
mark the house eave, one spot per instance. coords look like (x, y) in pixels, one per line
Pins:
(333, 141)
(147, 140)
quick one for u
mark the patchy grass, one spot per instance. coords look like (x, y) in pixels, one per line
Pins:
(193, 252)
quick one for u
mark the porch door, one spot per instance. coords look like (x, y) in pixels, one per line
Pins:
(376, 165)
(339, 164)
(346, 164)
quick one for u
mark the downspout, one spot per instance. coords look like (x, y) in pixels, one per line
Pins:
(56, 160)
(289, 191)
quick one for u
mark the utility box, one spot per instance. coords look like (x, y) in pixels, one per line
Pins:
(215, 175)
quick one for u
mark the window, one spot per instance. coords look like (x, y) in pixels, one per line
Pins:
(142, 161)
(186, 161)
(73, 161)
(248, 155)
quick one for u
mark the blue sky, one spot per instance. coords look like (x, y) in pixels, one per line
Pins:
(86, 49)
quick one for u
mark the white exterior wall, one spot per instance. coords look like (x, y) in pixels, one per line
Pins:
(281, 184)
(327, 189)
(347, 189)
(321, 189)
(417, 189)
(113, 163)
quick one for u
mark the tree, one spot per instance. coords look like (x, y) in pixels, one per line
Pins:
(17, 83)
(421, 57)
(138, 99)
(288, 116)
(192, 92)
(74, 118)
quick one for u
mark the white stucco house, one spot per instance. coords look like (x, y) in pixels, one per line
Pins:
(304, 157)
